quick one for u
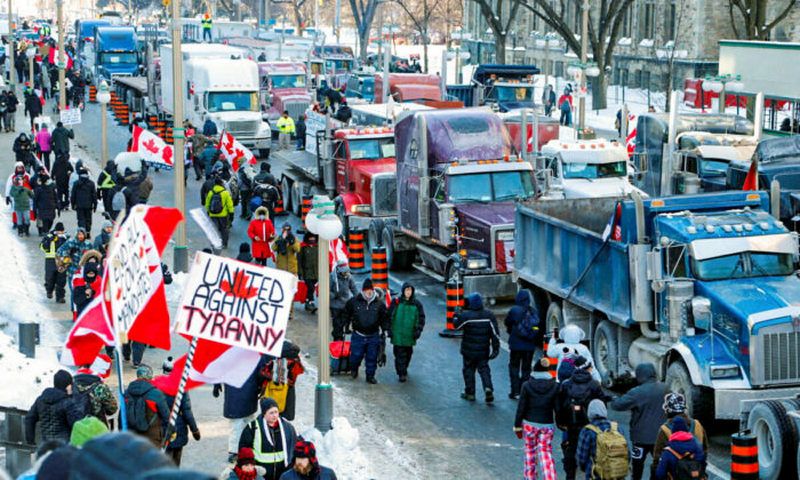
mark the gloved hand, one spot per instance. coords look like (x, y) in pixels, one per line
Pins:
(518, 432)
(217, 390)
(382, 359)
(196, 434)
(8, 200)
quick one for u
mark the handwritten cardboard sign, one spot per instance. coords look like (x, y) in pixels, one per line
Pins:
(70, 116)
(236, 303)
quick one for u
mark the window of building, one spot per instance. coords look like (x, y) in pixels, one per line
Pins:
(627, 23)
(647, 19)
(670, 19)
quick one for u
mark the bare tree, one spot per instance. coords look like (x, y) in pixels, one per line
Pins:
(363, 15)
(421, 13)
(681, 11)
(300, 14)
(499, 23)
(605, 22)
(753, 14)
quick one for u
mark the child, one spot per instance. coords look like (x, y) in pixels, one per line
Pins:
(245, 468)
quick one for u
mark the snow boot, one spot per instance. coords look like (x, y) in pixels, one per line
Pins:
(372, 381)
(468, 397)
(49, 294)
(489, 395)
(354, 374)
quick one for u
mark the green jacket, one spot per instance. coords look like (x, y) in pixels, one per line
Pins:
(227, 202)
(307, 261)
(22, 198)
(407, 320)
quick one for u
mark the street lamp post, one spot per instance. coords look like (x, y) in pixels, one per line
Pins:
(12, 74)
(103, 96)
(322, 221)
(180, 257)
(583, 70)
(62, 62)
(584, 57)
(722, 84)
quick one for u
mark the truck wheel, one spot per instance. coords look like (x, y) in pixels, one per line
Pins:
(396, 260)
(699, 404)
(604, 351)
(286, 193)
(775, 433)
(374, 234)
(554, 317)
(451, 273)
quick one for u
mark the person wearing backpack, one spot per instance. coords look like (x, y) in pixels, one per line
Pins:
(219, 206)
(683, 457)
(93, 395)
(146, 406)
(406, 321)
(522, 325)
(602, 449)
(644, 402)
(575, 394)
(675, 407)
(535, 421)
(565, 105)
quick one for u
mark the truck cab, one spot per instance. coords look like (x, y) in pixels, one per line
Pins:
(508, 87)
(115, 53)
(585, 169)
(703, 159)
(283, 86)
(332, 62)
(361, 86)
(548, 130)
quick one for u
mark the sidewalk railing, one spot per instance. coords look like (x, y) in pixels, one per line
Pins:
(18, 453)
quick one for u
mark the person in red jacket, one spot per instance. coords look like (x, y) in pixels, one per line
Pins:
(261, 232)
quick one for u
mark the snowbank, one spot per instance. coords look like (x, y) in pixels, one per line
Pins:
(30, 375)
(338, 449)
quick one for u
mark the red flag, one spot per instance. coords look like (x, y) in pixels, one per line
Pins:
(153, 149)
(231, 150)
(337, 251)
(751, 180)
(90, 332)
(52, 57)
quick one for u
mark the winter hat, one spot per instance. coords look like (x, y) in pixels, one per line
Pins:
(59, 227)
(303, 449)
(265, 167)
(597, 409)
(572, 334)
(244, 247)
(108, 224)
(58, 464)
(245, 456)
(144, 371)
(582, 363)
(543, 365)
(367, 285)
(679, 425)
(86, 429)
(286, 226)
(89, 268)
(268, 403)
(262, 211)
(82, 230)
(674, 403)
(110, 456)
(62, 379)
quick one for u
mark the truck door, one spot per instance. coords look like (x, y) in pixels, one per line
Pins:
(438, 197)
(340, 156)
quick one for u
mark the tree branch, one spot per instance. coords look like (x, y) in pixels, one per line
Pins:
(779, 18)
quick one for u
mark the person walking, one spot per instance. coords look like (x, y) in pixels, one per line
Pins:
(33, 106)
(300, 132)
(407, 320)
(240, 405)
(308, 267)
(219, 206)
(3, 107)
(645, 404)
(93, 396)
(146, 407)
(479, 344)
(244, 179)
(106, 184)
(206, 23)
(244, 253)
(367, 314)
(184, 423)
(21, 199)
(261, 233)
(675, 407)
(45, 202)
(602, 449)
(53, 412)
(548, 99)
(682, 453)
(343, 288)
(285, 130)
(535, 421)
(286, 248)
(55, 278)
(272, 439)
(306, 466)
(524, 338)
(62, 170)
(83, 199)
(11, 111)
(43, 143)
(565, 106)
(60, 138)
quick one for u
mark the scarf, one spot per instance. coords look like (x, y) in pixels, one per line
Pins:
(242, 475)
(283, 243)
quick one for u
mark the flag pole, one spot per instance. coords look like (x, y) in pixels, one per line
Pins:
(120, 337)
(176, 404)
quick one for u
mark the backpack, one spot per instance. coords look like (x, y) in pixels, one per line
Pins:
(611, 455)
(565, 106)
(136, 413)
(87, 399)
(686, 467)
(528, 327)
(215, 205)
(577, 416)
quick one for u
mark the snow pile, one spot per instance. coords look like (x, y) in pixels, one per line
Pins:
(31, 375)
(174, 290)
(338, 449)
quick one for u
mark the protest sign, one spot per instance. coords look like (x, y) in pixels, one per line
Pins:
(236, 303)
(70, 116)
(203, 221)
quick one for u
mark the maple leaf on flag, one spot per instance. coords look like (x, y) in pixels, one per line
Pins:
(166, 155)
(238, 153)
(229, 144)
(239, 287)
(150, 145)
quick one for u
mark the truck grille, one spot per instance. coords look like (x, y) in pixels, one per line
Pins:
(247, 128)
(296, 109)
(384, 195)
(776, 355)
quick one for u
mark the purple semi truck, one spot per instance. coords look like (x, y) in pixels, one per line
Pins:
(457, 185)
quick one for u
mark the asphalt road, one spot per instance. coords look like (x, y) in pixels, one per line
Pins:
(445, 435)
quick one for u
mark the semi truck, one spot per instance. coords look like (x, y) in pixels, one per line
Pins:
(283, 87)
(456, 188)
(219, 85)
(413, 87)
(115, 54)
(547, 129)
(702, 286)
(505, 87)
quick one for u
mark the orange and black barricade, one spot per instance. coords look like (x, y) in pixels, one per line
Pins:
(305, 207)
(744, 456)
(553, 360)
(356, 247)
(454, 302)
(168, 137)
(92, 94)
(380, 269)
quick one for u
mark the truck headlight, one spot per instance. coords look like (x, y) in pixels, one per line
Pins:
(361, 208)
(724, 371)
(477, 263)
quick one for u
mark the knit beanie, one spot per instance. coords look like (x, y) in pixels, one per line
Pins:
(59, 227)
(86, 429)
(674, 403)
(597, 409)
(679, 425)
(62, 379)
(268, 403)
(117, 455)
(367, 285)
(245, 456)
(144, 371)
(303, 449)
(244, 247)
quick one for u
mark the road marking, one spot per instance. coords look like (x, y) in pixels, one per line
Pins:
(717, 471)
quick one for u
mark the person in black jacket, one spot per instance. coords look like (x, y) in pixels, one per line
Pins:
(62, 170)
(23, 150)
(535, 420)
(574, 397)
(300, 131)
(84, 200)
(157, 411)
(11, 110)
(45, 201)
(369, 317)
(479, 344)
(33, 106)
(54, 412)
(55, 279)
(184, 423)
(522, 342)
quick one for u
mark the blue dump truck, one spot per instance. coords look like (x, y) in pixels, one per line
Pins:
(703, 286)
(115, 53)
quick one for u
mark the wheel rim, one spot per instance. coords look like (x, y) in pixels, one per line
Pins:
(766, 443)
(453, 274)
(553, 321)
(601, 348)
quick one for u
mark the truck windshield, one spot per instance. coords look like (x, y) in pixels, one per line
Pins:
(232, 101)
(488, 187)
(788, 181)
(743, 265)
(118, 58)
(288, 81)
(512, 94)
(713, 168)
(371, 149)
(595, 170)
(339, 65)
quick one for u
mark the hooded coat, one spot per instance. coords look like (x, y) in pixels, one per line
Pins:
(682, 442)
(343, 287)
(59, 139)
(522, 308)
(645, 403)
(54, 412)
(407, 318)
(102, 402)
(157, 408)
(581, 388)
(46, 201)
(264, 230)
(62, 169)
(538, 400)
(184, 423)
(84, 193)
(288, 259)
(307, 260)
(368, 316)
(481, 339)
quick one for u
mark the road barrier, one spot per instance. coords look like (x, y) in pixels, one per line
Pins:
(454, 301)
(305, 207)
(92, 94)
(168, 137)
(380, 269)
(744, 456)
(124, 114)
(356, 246)
(160, 128)
(18, 453)
(553, 360)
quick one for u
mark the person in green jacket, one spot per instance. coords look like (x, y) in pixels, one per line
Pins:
(219, 206)
(22, 206)
(407, 321)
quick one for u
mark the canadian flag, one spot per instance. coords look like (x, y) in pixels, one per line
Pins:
(337, 251)
(90, 332)
(630, 140)
(52, 57)
(152, 149)
(231, 150)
